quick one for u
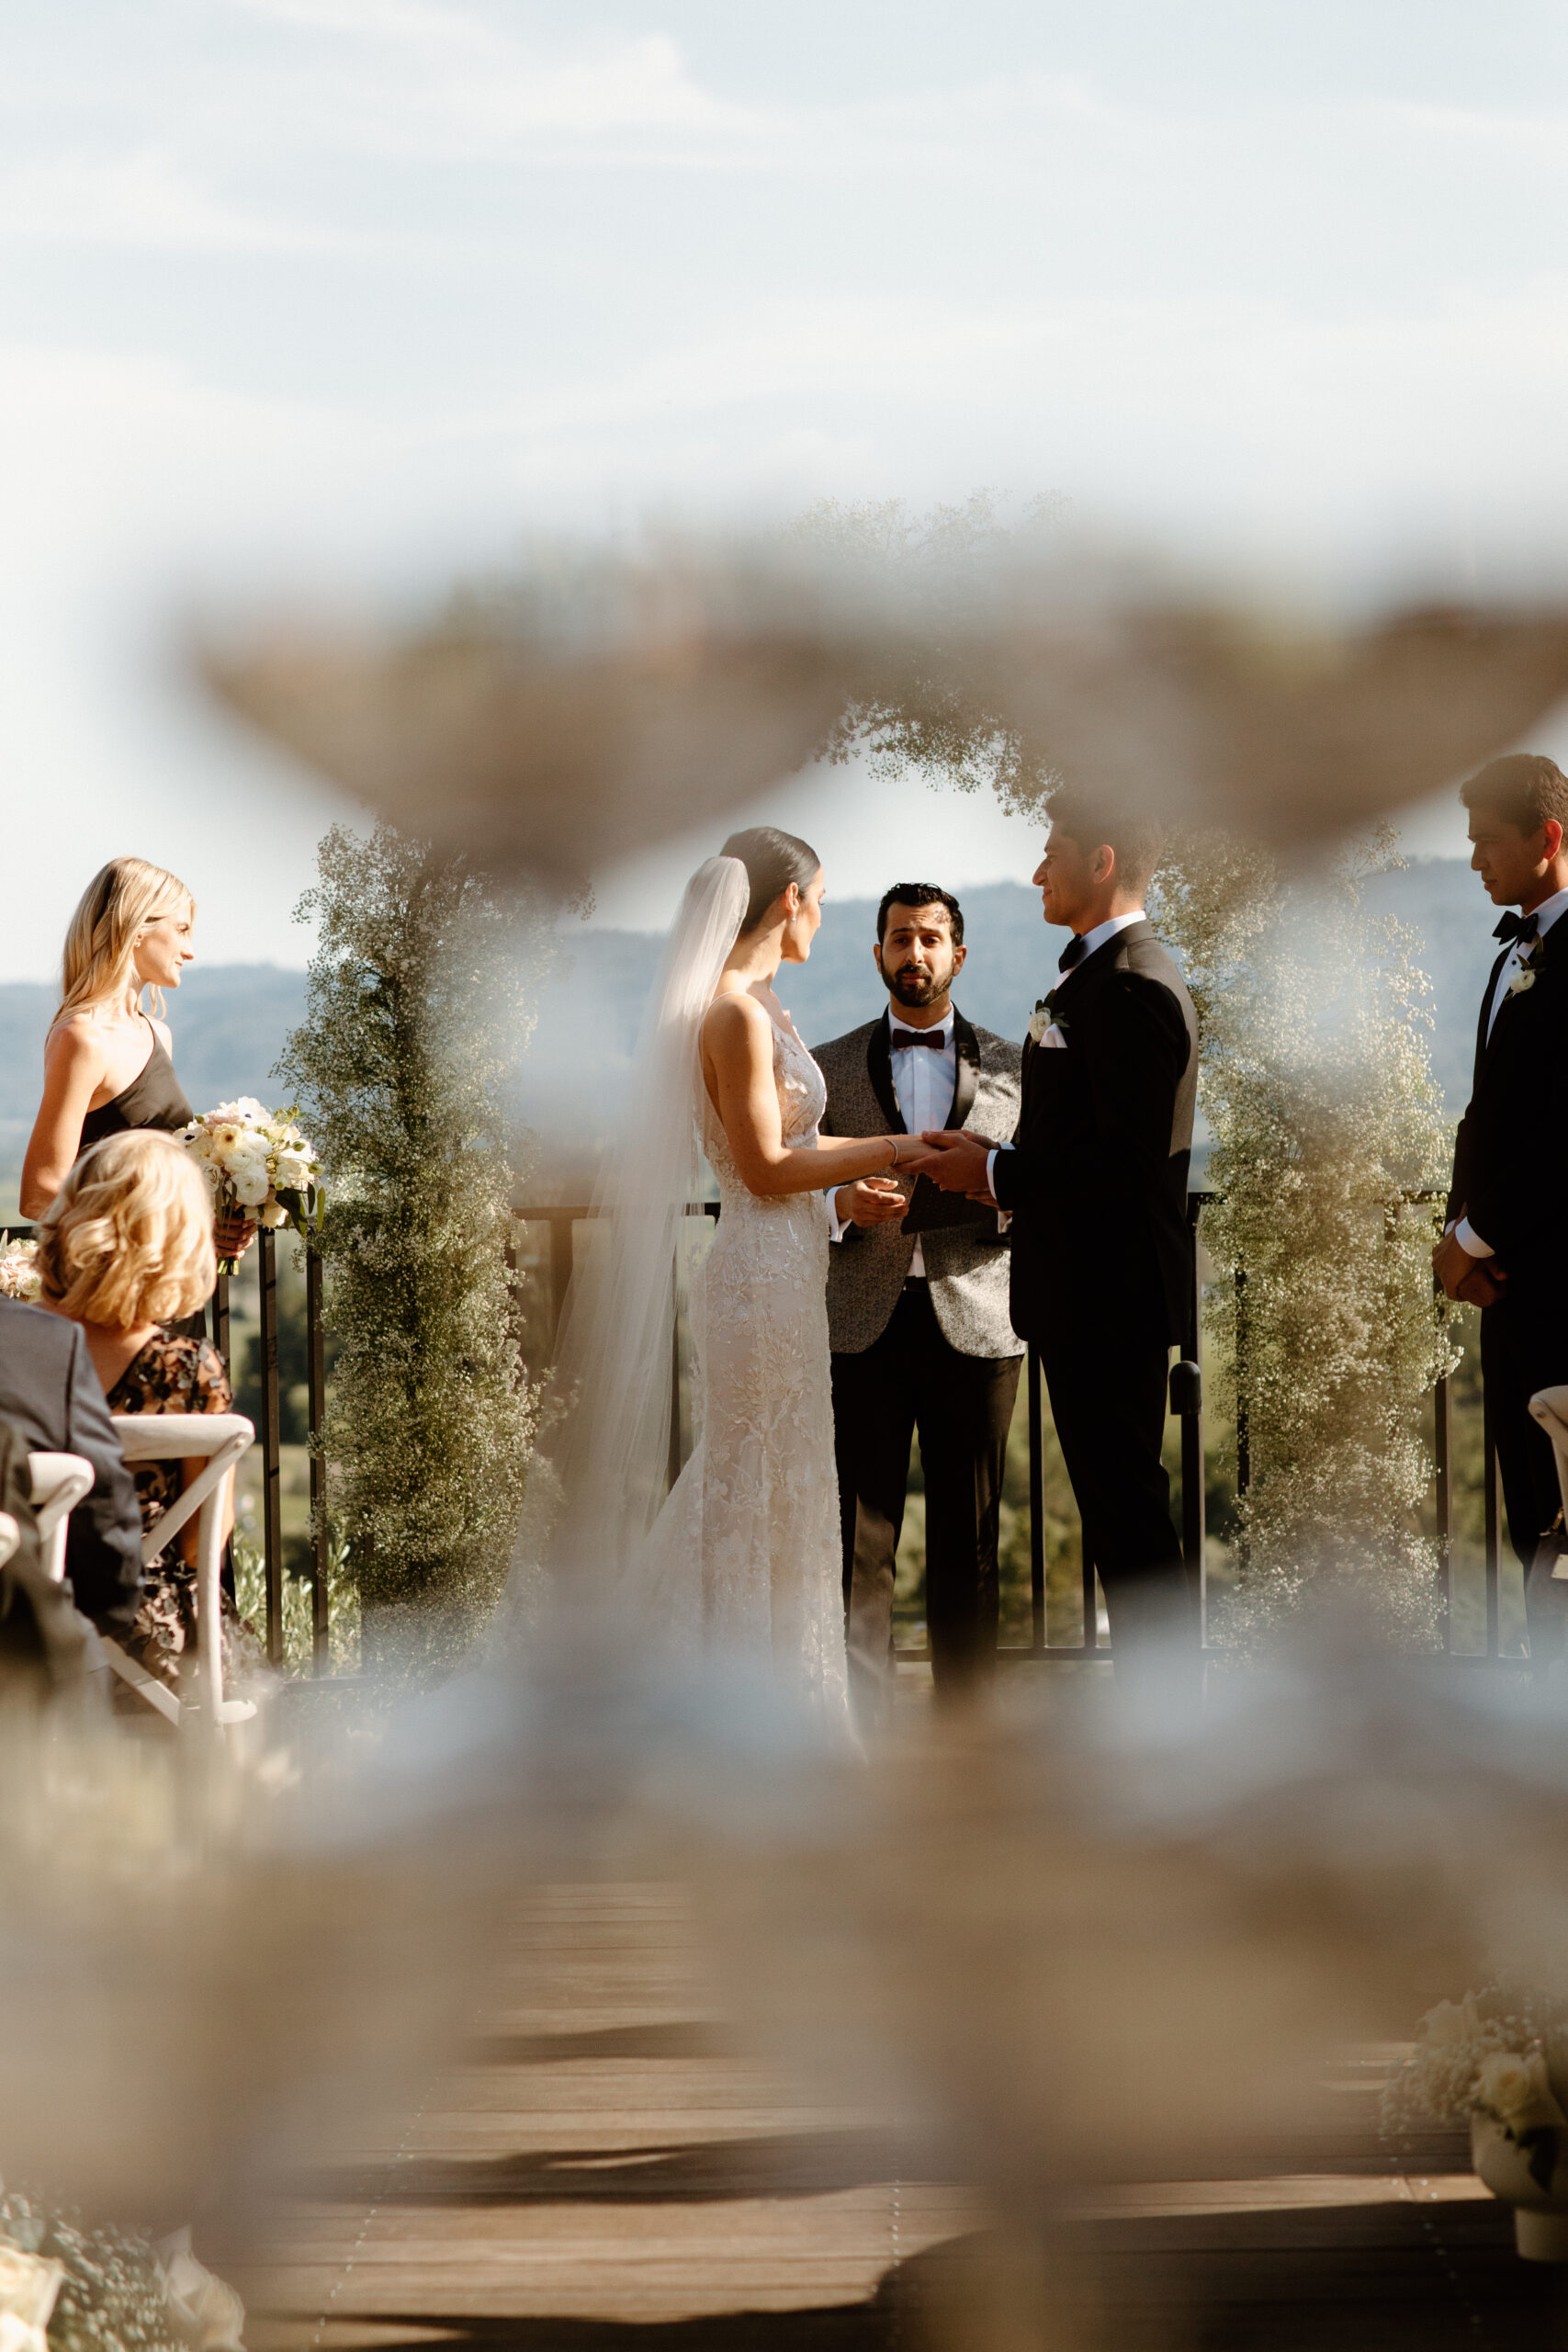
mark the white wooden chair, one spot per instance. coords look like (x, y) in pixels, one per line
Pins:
(60, 1482)
(1550, 1408)
(222, 1438)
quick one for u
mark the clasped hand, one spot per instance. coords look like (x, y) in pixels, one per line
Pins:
(1477, 1281)
(876, 1200)
(956, 1161)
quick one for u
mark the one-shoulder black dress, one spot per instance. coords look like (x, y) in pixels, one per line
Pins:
(154, 1099)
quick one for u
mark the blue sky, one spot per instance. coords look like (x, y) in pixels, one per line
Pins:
(332, 298)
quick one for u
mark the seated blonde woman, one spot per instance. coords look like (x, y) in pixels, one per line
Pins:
(125, 1251)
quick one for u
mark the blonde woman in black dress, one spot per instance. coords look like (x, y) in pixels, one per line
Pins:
(107, 1063)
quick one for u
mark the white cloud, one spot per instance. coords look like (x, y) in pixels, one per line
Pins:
(447, 78)
(143, 198)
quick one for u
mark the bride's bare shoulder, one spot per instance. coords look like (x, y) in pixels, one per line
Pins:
(735, 1023)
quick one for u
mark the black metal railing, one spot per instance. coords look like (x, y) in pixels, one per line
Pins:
(269, 1439)
(1186, 1397)
(1187, 1403)
(562, 1221)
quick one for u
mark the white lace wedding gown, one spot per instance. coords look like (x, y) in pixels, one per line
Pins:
(757, 1504)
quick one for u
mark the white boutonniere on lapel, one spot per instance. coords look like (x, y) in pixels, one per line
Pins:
(1044, 1020)
(1525, 976)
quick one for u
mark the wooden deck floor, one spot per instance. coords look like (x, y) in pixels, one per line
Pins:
(610, 2169)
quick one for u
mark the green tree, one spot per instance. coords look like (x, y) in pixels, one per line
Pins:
(1318, 1085)
(416, 1012)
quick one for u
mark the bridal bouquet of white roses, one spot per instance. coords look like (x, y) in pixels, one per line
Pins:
(18, 1273)
(259, 1165)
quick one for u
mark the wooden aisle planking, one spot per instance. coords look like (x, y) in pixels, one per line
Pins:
(606, 2159)
(608, 2168)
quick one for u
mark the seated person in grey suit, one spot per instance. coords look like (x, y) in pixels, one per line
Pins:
(50, 1393)
(918, 1310)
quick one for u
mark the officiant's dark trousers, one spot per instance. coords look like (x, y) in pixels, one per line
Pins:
(913, 1379)
(1108, 1377)
(1524, 1346)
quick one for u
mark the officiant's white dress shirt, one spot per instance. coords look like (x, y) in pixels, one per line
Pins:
(923, 1081)
(1546, 914)
(1053, 1037)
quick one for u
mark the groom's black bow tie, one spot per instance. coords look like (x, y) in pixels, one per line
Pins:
(1071, 953)
(902, 1037)
(1514, 927)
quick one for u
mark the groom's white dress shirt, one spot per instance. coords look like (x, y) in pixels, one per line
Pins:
(1091, 940)
(1546, 914)
(923, 1081)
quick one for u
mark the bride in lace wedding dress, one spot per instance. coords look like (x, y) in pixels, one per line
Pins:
(740, 1561)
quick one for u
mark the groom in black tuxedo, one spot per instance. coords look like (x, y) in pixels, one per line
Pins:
(1095, 1179)
(1503, 1250)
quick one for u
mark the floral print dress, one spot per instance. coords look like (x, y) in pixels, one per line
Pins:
(175, 1373)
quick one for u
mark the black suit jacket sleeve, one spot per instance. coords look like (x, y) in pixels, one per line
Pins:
(1507, 1166)
(103, 1551)
(1135, 1047)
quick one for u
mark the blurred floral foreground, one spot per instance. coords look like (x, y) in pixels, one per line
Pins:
(1067, 1947)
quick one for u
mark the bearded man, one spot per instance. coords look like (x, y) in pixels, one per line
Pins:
(918, 1310)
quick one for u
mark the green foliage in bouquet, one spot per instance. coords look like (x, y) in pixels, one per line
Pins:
(415, 1014)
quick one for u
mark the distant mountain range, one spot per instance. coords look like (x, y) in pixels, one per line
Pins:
(230, 1021)
(589, 1013)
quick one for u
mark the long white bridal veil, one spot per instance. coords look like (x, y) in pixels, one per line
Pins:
(601, 1470)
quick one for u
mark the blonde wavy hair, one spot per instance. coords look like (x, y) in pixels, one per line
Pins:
(100, 962)
(128, 1237)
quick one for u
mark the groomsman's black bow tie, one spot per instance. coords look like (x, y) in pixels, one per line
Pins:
(1070, 953)
(1514, 927)
(902, 1037)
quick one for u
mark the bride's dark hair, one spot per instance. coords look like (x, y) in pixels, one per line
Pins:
(772, 861)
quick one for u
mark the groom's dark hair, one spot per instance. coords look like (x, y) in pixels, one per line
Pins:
(919, 894)
(1128, 826)
(1523, 788)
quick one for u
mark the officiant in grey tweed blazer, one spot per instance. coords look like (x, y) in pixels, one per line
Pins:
(918, 1311)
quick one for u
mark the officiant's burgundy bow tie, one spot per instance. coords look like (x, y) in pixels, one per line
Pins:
(1514, 927)
(902, 1037)
(1070, 953)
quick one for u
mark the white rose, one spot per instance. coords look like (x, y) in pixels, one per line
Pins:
(247, 1174)
(272, 1214)
(1039, 1022)
(293, 1170)
(28, 2285)
(1506, 2084)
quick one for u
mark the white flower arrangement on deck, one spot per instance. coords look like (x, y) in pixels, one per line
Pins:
(1499, 2054)
(19, 1276)
(259, 1166)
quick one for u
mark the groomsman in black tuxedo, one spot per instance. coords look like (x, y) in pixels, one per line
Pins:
(1095, 1179)
(1506, 1247)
